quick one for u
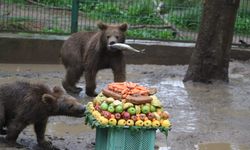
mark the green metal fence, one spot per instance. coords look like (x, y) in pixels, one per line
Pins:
(176, 20)
(35, 16)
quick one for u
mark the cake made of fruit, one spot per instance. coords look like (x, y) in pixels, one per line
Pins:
(127, 104)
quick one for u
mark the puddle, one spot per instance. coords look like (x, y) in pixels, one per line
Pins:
(174, 83)
(62, 129)
(221, 146)
(214, 146)
(164, 148)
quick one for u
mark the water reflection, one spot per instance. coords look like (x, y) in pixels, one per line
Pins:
(62, 129)
(184, 120)
(221, 146)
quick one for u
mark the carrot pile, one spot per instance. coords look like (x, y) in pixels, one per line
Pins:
(128, 88)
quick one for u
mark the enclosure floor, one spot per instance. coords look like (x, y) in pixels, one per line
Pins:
(203, 116)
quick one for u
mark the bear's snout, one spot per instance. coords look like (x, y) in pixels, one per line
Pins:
(76, 111)
(70, 107)
(81, 110)
(112, 42)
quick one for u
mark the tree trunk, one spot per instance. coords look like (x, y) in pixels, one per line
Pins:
(210, 58)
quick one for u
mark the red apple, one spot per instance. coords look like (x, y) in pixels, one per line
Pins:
(150, 116)
(106, 114)
(142, 116)
(117, 116)
(134, 118)
(98, 108)
(125, 115)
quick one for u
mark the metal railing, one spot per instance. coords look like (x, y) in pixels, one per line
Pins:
(176, 20)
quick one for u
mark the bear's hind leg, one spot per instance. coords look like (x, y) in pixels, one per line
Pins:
(90, 78)
(73, 75)
(14, 129)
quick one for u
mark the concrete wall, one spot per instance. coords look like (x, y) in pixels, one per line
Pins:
(44, 49)
(15, 50)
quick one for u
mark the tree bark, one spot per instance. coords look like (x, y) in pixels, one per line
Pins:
(210, 58)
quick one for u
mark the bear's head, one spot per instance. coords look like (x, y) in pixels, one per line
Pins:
(63, 104)
(112, 34)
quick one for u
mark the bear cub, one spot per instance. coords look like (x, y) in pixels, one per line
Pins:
(23, 103)
(89, 52)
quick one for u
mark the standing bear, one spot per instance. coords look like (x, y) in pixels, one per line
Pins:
(89, 52)
(23, 103)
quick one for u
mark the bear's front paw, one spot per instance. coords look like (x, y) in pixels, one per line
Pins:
(91, 94)
(47, 145)
(71, 89)
(75, 90)
(11, 143)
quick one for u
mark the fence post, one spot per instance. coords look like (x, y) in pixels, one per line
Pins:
(74, 16)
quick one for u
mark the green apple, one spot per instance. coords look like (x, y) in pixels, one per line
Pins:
(111, 108)
(131, 110)
(119, 108)
(104, 106)
(145, 109)
(112, 104)
(152, 108)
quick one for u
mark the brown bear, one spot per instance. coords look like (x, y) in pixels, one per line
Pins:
(23, 103)
(89, 52)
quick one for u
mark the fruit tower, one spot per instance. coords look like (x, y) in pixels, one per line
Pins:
(127, 104)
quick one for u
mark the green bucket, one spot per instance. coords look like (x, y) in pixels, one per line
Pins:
(124, 139)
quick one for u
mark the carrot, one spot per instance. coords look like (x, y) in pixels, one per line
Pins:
(124, 91)
(135, 92)
(131, 85)
(124, 96)
(141, 88)
(128, 88)
(118, 83)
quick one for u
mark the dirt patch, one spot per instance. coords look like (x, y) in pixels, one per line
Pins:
(200, 114)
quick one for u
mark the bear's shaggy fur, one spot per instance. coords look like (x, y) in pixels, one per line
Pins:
(23, 103)
(89, 52)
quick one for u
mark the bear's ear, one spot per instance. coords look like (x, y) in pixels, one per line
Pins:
(102, 26)
(123, 27)
(48, 99)
(58, 90)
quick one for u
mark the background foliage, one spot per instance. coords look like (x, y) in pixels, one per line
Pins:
(182, 14)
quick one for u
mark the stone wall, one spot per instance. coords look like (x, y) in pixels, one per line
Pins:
(44, 49)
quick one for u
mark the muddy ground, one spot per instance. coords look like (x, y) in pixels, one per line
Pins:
(212, 117)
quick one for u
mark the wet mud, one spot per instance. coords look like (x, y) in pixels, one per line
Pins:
(204, 117)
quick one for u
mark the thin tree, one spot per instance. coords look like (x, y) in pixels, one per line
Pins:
(210, 58)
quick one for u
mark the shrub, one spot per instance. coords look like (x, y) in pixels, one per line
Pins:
(186, 19)
(164, 34)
